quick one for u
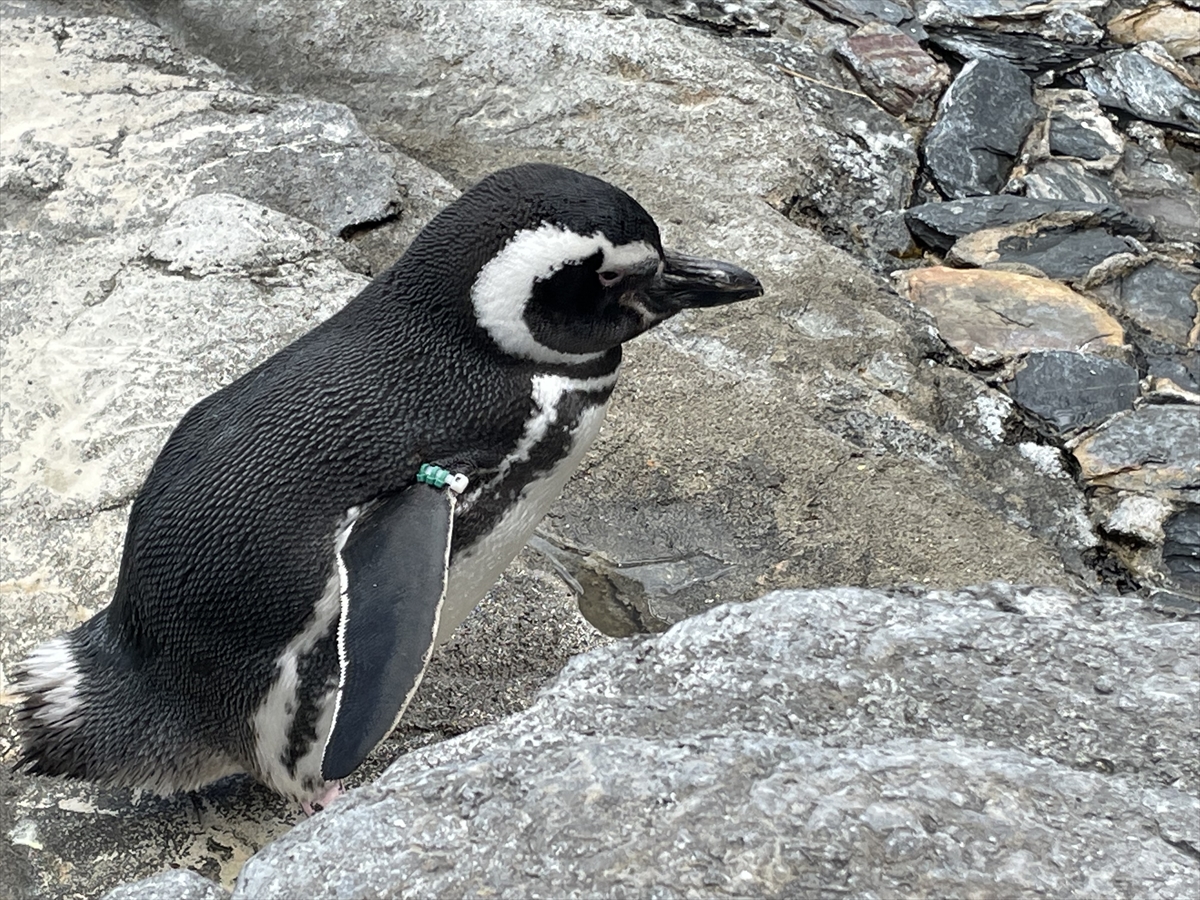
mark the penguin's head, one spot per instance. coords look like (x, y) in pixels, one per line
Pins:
(571, 266)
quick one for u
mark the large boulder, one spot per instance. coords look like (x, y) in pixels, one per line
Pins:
(994, 742)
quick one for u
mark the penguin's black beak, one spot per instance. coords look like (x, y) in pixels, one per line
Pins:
(690, 281)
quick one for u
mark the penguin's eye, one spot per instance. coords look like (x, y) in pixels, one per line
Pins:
(609, 277)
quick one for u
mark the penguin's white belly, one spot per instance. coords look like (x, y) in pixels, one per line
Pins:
(475, 570)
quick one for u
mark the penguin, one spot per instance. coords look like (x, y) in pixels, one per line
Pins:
(310, 532)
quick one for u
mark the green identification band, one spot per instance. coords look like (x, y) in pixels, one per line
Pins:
(436, 476)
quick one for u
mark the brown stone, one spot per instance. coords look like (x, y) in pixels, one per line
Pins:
(1152, 448)
(1175, 27)
(894, 71)
(990, 316)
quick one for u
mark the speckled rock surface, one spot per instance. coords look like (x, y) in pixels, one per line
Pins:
(997, 742)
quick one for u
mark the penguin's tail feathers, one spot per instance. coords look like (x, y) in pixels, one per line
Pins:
(81, 717)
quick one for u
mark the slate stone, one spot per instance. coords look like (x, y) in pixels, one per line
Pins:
(1151, 448)
(809, 743)
(1028, 52)
(1183, 368)
(1181, 546)
(1155, 187)
(1069, 137)
(991, 316)
(1067, 180)
(1062, 252)
(1134, 82)
(755, 17)
(894, 71)
(1066, 391)
(982, 120)
(1160, 298)
(1138, 517)
(939, 225)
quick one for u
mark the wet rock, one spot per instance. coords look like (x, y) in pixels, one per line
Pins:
(1138, 517)
(982, 120)
(1067, 180)
(939, 225)
(1181, 546)
(1172, 25)
(1151, 448)
(1161, 298)
(1153, 186)
(894, 71)
(1066, 391)
(173, 884)
(1148, 84)
(1057, 251)
(990, 316)
(884, 744)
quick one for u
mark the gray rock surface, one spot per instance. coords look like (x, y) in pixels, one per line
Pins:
(1148, 83)
(1067, 391)
(173, 884)
(982, 121)
(997, 742)
(124, 305)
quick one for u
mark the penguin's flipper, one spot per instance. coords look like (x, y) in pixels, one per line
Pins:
(393, 572)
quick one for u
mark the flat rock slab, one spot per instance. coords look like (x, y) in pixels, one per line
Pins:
(1146, 84)
(998, 742)
(1067, 391)
(990, 316)
(1152, 448)
(894, 71)
(939, 225)
(1058, 251)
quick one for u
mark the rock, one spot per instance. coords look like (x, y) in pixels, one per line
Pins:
(1151, 448)
(1181, 546)
(554, 82)
(756, 17)
(1035, 35)
(1078, 128)
(219, 232)
(861, 12)
(808, 742)
(173, 884)
(939, 225)
(894, 71)
(1160, 298)
(1138, 517)
(1153, 186)
(105, 347)
(990, 316)
(1066, 391)
(1067, 180)
(1147, 83)
(1045, 245)
(982, 119)
(1172, 25)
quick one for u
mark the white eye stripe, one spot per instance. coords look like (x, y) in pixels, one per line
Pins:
(505, 284)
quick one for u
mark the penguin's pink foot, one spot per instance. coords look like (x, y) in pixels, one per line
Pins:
(323, 801)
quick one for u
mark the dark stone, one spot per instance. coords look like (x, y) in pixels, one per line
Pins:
(1027, 52)
(982, 120)
(1160, 299)
(1065, 180)
(1070, 137)
(860, 12)
(938, 225)
(754, 17)
(1065, 391)
(1181, 549)
(1181, 368)
(1062, 253)
(1129, 80)
(1153, 186)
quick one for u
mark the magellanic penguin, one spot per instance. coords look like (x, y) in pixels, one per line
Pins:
(285, 574)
